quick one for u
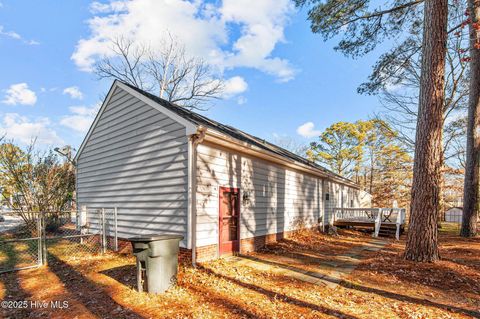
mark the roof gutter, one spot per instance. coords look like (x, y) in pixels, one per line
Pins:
(232, 143)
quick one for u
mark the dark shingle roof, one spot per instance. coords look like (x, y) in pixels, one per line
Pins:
(235, 133)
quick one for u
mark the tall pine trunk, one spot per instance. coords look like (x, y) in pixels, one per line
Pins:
(470, 190)
(422, 230)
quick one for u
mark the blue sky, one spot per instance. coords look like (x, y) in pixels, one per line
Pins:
(292, 77)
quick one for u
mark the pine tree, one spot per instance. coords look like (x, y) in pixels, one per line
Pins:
(364, 27)
(339, 147)
(422, 239)
(369, 153)
(471, 185)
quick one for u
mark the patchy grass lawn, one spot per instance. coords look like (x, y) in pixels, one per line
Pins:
(382, 286)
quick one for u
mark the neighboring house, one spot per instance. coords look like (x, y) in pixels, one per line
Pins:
(170, 170)
(454, 215)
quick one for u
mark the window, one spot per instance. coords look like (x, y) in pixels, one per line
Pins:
(351, 203)
(327, 196)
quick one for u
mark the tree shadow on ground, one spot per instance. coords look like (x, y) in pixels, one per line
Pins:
(210, 296)
(126, 275)
(14, 292)
(399, 297)
(383, 293)
(92, 296)
(332, 248)
(302, 258)
(464, 256)
(284, 266)
(442, 275)
(12, 284)
(275, 295)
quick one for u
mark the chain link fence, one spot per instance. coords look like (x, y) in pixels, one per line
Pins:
(28, 240)
(67, 237)
(20, 241)
(104, 221)
(452, 220)
(111, 229)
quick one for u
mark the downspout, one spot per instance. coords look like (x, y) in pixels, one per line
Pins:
(195, 139)
(324, 206)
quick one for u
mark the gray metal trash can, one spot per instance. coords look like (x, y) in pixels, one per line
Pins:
(157, 261)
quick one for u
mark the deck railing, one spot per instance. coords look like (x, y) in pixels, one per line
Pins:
(372, 215)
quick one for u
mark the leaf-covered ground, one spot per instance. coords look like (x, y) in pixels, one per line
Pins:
(382, 286)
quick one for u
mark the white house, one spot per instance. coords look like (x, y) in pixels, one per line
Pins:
(170, 170)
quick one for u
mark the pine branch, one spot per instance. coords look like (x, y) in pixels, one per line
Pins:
(381, 13)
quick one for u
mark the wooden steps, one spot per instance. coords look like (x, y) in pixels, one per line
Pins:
(389, 230)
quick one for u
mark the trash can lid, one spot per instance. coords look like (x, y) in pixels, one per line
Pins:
(147, 238)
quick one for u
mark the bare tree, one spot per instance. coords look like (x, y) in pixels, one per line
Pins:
(401, 108)
(399, 87)
(36, 181)
(292, 145)
(167, 72)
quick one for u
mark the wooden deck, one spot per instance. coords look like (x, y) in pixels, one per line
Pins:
(382, 221)
(359, 223)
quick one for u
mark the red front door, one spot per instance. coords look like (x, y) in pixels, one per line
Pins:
(229, 223)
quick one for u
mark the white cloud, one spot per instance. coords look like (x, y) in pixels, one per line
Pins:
(233, 86)
(98, 7)
(9, 34)
(115, 6)
(20, 94)
(262, 25)
(204, 28)
(31, 42)
(20, 128)
(81, 118)
(74, 92)
(308, 130)
(45, 90)
(241, 100)
(14, 35)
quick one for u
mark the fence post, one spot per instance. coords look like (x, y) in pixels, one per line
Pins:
(104, 244)
(116, 228)
(40, 246)
(82, 220)
(44, 240)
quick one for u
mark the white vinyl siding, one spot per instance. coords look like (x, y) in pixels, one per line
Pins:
(279, 198)
(136, 159)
